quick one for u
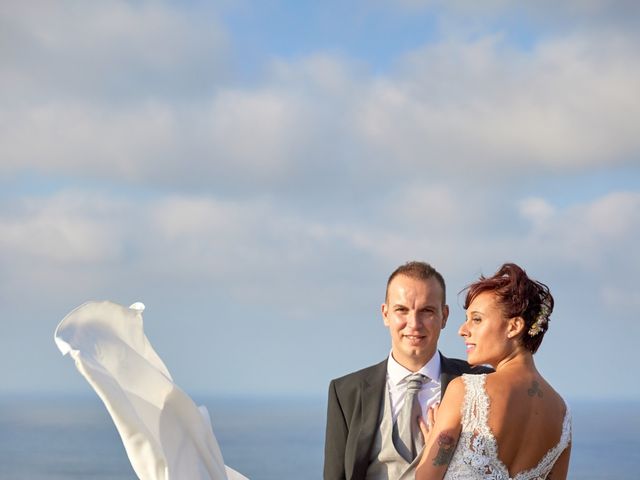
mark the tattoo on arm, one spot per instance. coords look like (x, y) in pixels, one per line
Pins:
(535, 390)
(446, 447)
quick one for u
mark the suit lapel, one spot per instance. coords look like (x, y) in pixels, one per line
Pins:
(372, 391)
(448, 371)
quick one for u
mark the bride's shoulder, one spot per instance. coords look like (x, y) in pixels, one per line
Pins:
(455, 390)
(460, 386)
(453, 400)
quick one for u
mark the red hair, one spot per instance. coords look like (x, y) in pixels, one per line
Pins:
(518, 296)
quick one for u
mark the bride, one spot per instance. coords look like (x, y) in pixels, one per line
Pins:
(510, 424)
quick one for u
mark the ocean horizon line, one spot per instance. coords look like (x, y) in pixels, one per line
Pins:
(243, 396)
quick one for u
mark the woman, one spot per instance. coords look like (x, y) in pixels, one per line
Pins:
(509, 424)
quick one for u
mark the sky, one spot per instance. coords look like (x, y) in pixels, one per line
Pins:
(252, 171)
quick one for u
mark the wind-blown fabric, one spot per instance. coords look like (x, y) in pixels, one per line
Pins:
(166, 436)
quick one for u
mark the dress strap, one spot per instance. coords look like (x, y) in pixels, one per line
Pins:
(475, 410)
(547, 462)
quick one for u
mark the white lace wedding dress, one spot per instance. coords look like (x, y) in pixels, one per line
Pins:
(476, 455)
(166, 436)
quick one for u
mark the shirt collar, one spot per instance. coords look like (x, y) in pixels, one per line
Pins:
(397, 373)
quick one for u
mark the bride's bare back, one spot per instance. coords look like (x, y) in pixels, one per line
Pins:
(525, 415)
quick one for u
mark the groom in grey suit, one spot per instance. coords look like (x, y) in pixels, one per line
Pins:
(361, 439)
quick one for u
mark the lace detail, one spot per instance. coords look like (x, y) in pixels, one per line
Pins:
(476, 456)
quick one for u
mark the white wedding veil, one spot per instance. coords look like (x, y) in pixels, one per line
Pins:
(166, 436)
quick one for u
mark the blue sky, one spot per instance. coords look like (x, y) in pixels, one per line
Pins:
(253, 171)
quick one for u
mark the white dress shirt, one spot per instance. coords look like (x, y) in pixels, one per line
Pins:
(397, 384)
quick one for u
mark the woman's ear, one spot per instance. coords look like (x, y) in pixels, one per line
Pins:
(515, 327)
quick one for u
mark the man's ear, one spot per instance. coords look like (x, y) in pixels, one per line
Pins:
(445, 315)
(515, 327)
(385, 312)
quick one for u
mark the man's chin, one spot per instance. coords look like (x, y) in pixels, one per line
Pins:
(420, 354)
(415, 342)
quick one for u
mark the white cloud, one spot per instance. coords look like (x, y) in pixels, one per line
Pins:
(255, 133)
(126, 143)
(468, 234)
(615, 216)
(537, 210)
(112, 49)
(621, 298)
(596, 12)
(592, 244)
(248, 249)
(274, 269)
(64, 230)
(321, 122)
(567, 105)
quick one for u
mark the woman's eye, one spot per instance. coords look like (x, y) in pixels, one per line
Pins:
(476, 319)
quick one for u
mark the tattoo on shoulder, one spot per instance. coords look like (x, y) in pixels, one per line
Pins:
(446, 447)
(535, 390)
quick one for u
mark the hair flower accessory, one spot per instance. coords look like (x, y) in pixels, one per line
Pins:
(541, 320)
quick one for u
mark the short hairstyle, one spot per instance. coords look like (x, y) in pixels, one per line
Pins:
(419, 271)
(518, 296)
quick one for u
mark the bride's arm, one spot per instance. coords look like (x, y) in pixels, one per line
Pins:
(441, 439)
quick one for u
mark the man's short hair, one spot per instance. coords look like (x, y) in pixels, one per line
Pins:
(419, 271)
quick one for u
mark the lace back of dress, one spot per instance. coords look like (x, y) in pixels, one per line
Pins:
(476, 405)
(476, 456)
(480, 443)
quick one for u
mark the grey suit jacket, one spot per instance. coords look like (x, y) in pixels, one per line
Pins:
(353, 412)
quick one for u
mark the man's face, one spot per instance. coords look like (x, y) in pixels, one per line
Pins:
(415, 314)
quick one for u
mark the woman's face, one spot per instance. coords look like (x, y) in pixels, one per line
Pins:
(485, 331)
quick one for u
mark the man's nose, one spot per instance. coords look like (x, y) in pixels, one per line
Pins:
(412, 319)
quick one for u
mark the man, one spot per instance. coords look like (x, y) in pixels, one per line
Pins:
(372, 433)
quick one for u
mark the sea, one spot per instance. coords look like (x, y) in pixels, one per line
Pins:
(60, 438)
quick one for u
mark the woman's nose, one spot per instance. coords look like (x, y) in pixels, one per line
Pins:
(462, 331)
